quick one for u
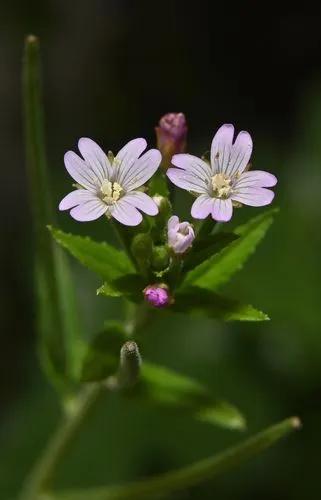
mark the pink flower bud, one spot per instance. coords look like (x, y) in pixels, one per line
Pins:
(171, 135)
(180, 234)
(157, 295)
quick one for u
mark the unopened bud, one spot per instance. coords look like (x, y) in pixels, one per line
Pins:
(142, 248)
(129, 366)
(157, 295)
(180, 235)
(171, 136)
(160, 258)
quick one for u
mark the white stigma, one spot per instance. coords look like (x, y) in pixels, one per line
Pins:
(221, 185)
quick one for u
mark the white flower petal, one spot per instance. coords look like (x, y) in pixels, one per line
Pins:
(187, 180)
(194, 165)
(256, 178)
(90, 210)
(76, 198)
(126, 214)
(141, 170)
(80, 171)
(173, 223)
(222, 210)
(253, 196)
(96, 158)
(202, 207)
(142, 201)
(127, 157)
(240, 154)
(228, 158)
(221, 148)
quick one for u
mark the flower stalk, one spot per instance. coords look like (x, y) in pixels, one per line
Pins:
(193, 474)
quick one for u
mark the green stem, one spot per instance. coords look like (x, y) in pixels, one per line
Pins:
(39, 481)
(57, 315)
(124, 238)
(190, 475)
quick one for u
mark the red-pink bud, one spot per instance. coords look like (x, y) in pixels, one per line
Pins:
(157, 295)
(171, 136)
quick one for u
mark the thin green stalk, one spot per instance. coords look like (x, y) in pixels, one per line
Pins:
(58, 319)
(190, 475)
(123, 236)
(38, 483)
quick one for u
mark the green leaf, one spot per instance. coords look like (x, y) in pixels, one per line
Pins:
(219, 268)
(191, 475)
(99, 257)
(164, 387)
(206, 247)
(102, 354)
(130, 286)
(57, 315)
(201, 302)
(108, 290)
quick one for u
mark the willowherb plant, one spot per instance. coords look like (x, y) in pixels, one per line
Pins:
(163, 264)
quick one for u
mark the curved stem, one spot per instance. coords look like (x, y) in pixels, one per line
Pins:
(190, 475)
(39, 480)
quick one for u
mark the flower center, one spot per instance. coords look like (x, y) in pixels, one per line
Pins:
(111, 191)
(221, 186)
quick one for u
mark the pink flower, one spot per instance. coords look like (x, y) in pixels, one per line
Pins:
(225, 181)
(109, 186)
(157, 295)
(180, 234)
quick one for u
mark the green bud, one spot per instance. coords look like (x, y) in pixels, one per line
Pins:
(142, 250)
(129, 365)
(159, 229)
(160, 259)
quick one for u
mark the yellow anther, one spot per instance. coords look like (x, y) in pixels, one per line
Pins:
(221, 186)
(111, 191)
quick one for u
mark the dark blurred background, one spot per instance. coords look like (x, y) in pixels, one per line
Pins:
(111, 69)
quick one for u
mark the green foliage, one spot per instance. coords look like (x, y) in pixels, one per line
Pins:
(130, 286)
(142, 249)
(102, 355)
(219, 268)
(206, 247)
(58, 318)
(158, 185)
(99, 257)
(169, 389)
(197, 301)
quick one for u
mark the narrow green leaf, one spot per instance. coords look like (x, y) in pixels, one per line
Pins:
(191, 475)
(130, 286)
(108, 290)
(99, 257)
(201, 302)
(206, 247)
(219, 268)
(167, 388)
(223, 414)
(58, 319)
